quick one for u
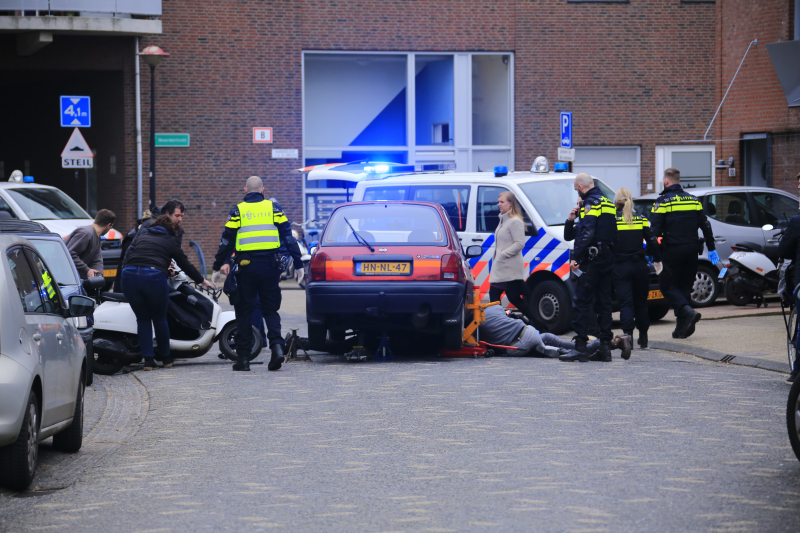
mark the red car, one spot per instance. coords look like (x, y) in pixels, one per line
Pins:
(388, 266)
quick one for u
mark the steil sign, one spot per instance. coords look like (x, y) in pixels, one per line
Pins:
(76, 153)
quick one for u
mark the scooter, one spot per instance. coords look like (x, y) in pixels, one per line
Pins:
(751, 274)
(195, 320)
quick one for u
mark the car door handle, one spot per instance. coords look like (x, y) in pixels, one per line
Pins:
(60, 336)
(477, 240)
(37, 336)
(719, 239)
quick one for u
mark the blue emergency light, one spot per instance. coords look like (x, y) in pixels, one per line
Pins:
(561, 167)
(500, 171)
(27, 179)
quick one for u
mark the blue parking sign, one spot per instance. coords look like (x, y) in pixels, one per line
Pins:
(566, 129)
(76, 112)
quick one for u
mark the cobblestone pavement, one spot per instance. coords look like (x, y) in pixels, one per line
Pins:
(662, 442)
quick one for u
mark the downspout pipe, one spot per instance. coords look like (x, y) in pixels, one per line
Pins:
(138, 136)
(754, 42)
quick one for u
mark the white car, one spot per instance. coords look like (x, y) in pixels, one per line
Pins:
(42, 362)
(470, 200)
(26, 200)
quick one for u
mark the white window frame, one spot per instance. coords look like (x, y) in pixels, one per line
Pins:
(664, 160)
(460, 152)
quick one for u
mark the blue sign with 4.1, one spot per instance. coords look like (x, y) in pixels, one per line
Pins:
(76, 112)
(566, 129)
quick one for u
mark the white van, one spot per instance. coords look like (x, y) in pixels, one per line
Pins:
(470, 199)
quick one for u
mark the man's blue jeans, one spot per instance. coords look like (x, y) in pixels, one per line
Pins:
(147, 291)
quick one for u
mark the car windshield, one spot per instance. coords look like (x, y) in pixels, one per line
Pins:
(46, 204)
(386, 223)
(57, 259)
(554, 199)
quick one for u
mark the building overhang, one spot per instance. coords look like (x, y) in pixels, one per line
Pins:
(785, 59)
(80, 26)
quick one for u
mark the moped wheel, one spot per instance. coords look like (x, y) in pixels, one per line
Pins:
(227, 342)
(735, 295)
(105, 366)
(793, 417)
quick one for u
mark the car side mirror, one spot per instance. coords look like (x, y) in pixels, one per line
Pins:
(80, 305)
(474, 251)
(91, 285)
(767, 227)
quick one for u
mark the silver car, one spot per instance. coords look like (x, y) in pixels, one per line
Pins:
(42, 362)
(737, 214)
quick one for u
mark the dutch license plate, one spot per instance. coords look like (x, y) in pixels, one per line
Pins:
(110, 273)
(722, 272)
(383, 269)
(654, 295)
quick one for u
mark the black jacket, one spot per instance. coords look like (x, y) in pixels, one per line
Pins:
(597, 224)
(677, 215)
(156, 247)
(630, 239)
(789, 249)
(227, 244)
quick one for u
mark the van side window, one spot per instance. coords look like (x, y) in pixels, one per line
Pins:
(24, 281)
(489, 214)
(6, 211)
(453, 198)
(386, 194)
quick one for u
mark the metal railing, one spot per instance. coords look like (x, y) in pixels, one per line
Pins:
(121, 7)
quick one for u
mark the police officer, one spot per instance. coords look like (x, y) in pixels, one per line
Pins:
(255, 229)
(631, 273)
(593, 261)
(676, 216)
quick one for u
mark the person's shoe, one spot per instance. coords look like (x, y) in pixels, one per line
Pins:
(603, 353)
(792, 377)
(168, 362)
(578, 353)
(277, 358)
(242, 364)
(150, 363)
(642, 339)
(624, 343)
(680, 328)
(692, 318)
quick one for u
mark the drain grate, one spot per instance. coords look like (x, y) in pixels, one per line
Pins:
(728, 358)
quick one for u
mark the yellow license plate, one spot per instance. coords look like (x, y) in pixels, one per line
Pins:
(383, 269)
(109, 273)
(654, 295)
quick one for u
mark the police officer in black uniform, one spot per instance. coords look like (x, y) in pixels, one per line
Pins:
(631, 272)
(677, 215)
(593, 261)
(255, 230)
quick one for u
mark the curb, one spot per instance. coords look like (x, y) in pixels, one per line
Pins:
(721, 357)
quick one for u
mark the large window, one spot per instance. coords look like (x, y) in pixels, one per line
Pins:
(406, 108)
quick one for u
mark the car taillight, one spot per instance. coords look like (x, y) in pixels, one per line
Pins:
(451, 270)
(316, 269)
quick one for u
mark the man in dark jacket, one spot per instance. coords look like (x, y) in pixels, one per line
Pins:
(85, 245)
(255, 230)
(676, 217)
(789, 249)
(592, 261)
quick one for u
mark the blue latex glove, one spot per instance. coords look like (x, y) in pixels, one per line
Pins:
(713, 256)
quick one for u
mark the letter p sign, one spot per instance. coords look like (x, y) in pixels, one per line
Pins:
(566, 129)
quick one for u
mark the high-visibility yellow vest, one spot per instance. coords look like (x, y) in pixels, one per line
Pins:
(256, 227)
(48, 285)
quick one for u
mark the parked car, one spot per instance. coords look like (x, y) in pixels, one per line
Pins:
(470, 202)
(737, 214)
(55, 253)
(58, 212)
(388, 266)
(42, 362)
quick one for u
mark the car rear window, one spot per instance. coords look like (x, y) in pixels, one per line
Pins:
(643, 208)
(385, 223)
(554, 199)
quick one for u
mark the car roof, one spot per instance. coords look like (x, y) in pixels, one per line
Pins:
(28, 227)
(20, 184)
(469, 177)
(396, 202)
(702, 191)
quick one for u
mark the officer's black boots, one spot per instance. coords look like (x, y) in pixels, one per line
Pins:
(686, 321)
(624, 343)
(578, 353)
(242, 364)
(642, 339)
(277, 357)
(603, 354)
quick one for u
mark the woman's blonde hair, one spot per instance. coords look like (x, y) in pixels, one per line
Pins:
(512, 199)
(624, 200)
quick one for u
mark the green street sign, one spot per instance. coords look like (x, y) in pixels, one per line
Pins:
(175, 140)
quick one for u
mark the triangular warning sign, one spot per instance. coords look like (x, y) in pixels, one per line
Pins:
(76, 146)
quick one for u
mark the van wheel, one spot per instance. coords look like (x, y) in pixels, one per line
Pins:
(227, 342)
(317, 335)
(18, 460)
(656, 313)
(550, 301)
(705, 289)
(70, 440)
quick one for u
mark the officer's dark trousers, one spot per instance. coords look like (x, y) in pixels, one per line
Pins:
(680, 271)
(595, 282)
(631, 286)
(259, 278)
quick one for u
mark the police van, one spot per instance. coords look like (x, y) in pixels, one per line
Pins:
(470, 199)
